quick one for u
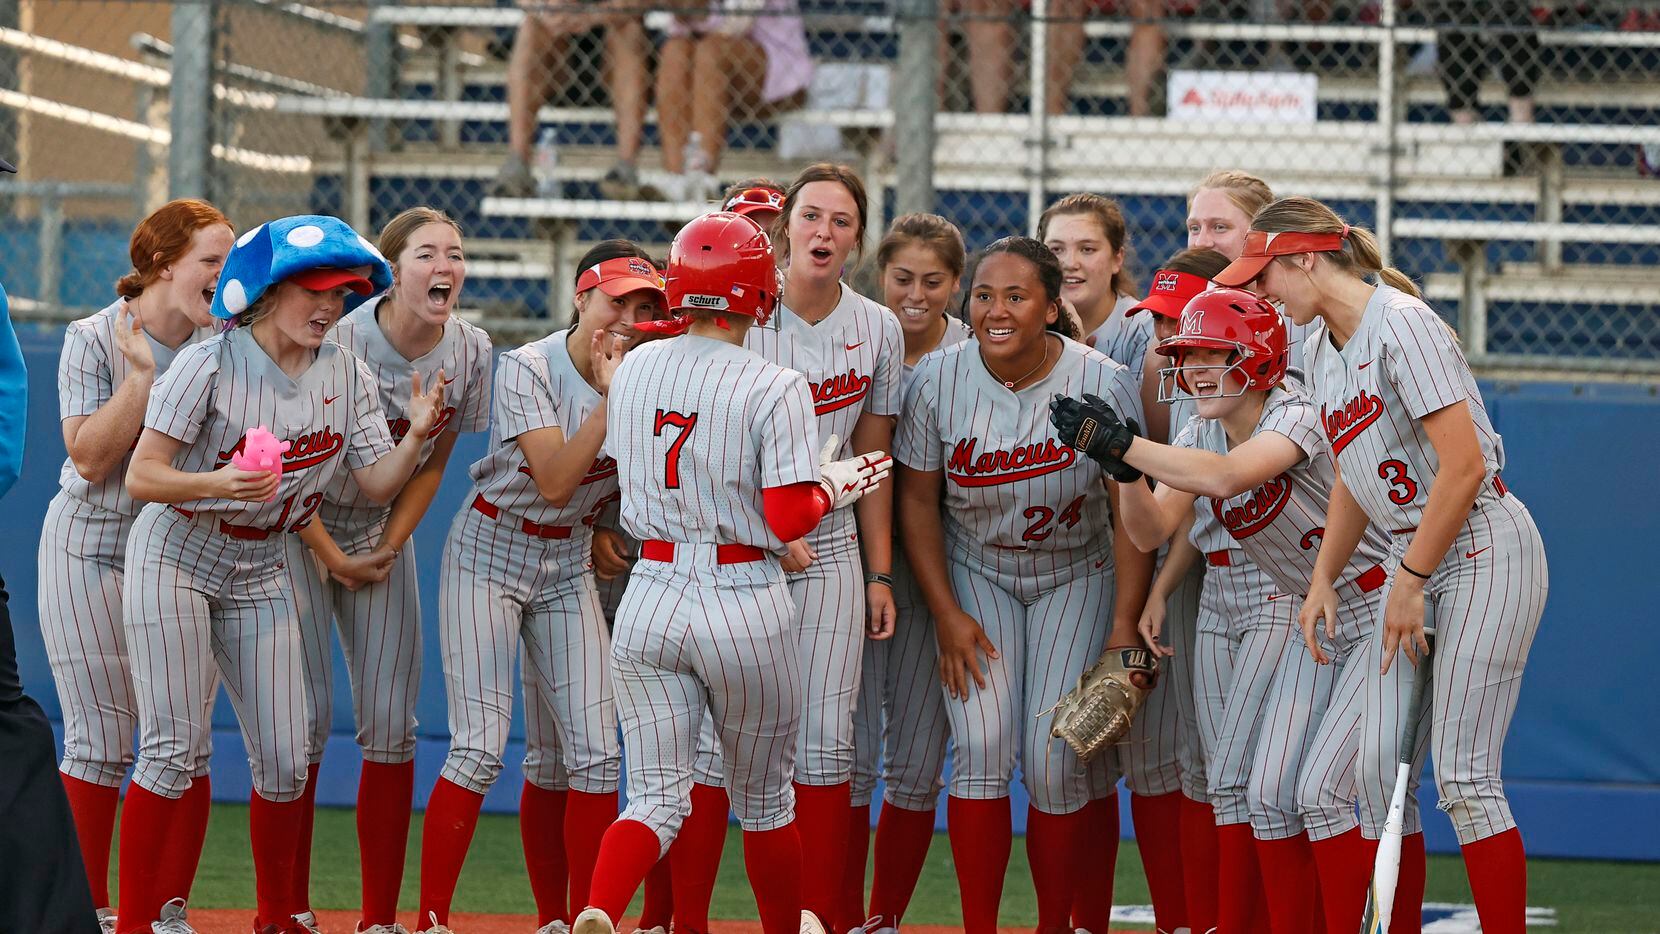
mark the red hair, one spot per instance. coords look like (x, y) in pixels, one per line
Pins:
(162, 239)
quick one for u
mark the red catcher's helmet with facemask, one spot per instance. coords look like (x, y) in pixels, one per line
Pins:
(719, 262)
(1234, 320)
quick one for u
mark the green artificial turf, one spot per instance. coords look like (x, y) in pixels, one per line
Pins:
(1589, 897)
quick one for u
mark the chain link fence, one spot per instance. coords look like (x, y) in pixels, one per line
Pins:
(1505, 151)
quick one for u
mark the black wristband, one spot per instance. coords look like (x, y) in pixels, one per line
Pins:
(1412, 572)
(886, 580)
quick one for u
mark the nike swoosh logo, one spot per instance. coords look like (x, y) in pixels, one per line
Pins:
(329, 400)
(1101, 563)
(449, 381)
(1276, 596)
(1364, 365)
(1472, 554)
(855, 346)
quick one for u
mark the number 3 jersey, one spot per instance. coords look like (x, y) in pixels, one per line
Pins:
(538, 386)
(1402, 364)
(699, 428)
(330, 415)
(1010, 485)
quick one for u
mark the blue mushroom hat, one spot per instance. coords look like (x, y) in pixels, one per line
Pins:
(282, 249)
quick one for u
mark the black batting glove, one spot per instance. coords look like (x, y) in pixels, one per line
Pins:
(1094, 429)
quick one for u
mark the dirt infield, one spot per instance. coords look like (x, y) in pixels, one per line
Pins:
(239, 921)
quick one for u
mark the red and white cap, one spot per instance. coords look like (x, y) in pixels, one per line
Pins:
(1261, 247)
(1170, 292)
(621, 275)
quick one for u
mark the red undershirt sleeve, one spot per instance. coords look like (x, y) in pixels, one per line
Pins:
(793, 511)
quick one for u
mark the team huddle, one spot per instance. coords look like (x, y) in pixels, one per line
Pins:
(781, 543)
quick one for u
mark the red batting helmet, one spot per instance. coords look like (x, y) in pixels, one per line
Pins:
(1234, 320)
(723, 262)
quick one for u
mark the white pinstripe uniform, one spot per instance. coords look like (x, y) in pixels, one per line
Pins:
(854, 363)
(1028, 537)
(207, 582)
(699, 428)
(380, 623)
(1489, 590)
(900, 725)
(1278, 525)
(1177, 672)
(516, 569)
(82, 561)
(1124, 338)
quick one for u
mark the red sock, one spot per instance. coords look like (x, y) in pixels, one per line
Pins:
(1408, 915)
(145, 821)
(385, 797)
(1344, 866)
(452, 816)
(1053, 844)
(274, 830)
(772, 858)
(851, 906)
(658, 910)
(1199, 872)
(1497, 867)
(1239, 900)
(627, 853)
(94, 808)
(177, 871)
(981, 832)
(821, 816)
(902, 840)
(1288, 879)
(587, 814)
(1158, 835)
(1097, 857)
(694, 857)
(300, 895)
(542, 830)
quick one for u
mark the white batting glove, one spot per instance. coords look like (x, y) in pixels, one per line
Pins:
(846, 481)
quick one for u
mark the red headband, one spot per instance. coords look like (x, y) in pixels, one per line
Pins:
(1170, 292)
(1261, 247)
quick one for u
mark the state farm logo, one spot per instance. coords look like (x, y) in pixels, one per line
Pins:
(968, 468)
(307, 450)
(1244, 518)
(1345, 423)
(400, 426)
(839, 391)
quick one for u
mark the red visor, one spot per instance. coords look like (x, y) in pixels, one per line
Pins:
(621, 275)
(1169, 293)
(752, 201)
(321, 280)
(1261, 247)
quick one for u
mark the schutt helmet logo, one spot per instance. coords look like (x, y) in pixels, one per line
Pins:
(839, 391)
(1345, 424)
(1257, 511)
(717, 302)
(967, 468)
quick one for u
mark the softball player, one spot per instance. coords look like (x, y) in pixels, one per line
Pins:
(1018, 572)
(900, 726)
(1087, 234)
(715, 453)
(1256, 459)
(109, 363)
(850, 349)
(1418, 456)
(516, 570)
(207, 584)
(366, 581)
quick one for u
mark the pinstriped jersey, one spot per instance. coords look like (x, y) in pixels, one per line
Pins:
(853, 361)
(463, 353)
(218, 389)
(955, 333)
(90, 370)
(1009, 483)
(699, 428)
(1279, 524)
(1402, 364)
(538, 386)
(1206, 535)
(1125, 339)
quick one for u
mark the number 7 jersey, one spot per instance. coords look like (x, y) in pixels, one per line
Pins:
(699, 428)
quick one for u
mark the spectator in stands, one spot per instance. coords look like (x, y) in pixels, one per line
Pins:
(743, 57)
(988, 28)
(1143, 58)
(1468, 44)
(531, 71)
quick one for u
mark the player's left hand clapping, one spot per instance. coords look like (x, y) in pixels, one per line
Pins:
(1093, 428)
(1403, 621)
(424, 407)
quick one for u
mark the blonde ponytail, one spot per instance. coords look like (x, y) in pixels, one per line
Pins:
(1360, 256)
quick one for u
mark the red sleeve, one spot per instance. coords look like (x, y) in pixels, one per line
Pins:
(793, 511)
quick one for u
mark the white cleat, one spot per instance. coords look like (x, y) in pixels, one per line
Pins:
(874, 926)
(554, 927)
(172, 919)
(593, 921)
(106, 921)
(810, 924)
(393, 928)
(308, 920)
(433, 927)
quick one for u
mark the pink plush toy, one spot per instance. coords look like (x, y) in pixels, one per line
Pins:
(261, 451)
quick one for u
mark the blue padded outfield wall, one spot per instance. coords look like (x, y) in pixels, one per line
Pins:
(1583, 760)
